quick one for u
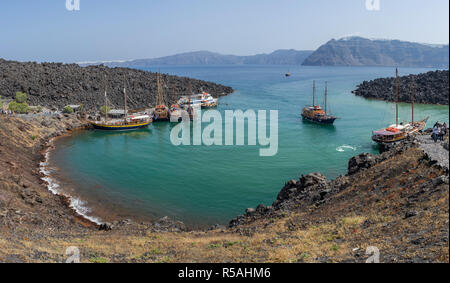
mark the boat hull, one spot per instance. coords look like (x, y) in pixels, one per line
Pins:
(120, 127)
(161, 119)
(394, 141)
(325, 121)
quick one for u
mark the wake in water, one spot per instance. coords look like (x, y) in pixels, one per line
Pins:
(344, 148)
(77, 205)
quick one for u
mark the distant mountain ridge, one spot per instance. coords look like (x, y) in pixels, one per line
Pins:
(279, 57)
(359, 51)
(348, 51)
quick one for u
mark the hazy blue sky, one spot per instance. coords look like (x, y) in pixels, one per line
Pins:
(44, 30)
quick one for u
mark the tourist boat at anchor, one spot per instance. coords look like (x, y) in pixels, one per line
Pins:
(161, 112)
(176, 113)
(208, 101)
(399, 131)
(315, 113)
(128, 123)
(202, 100)
(191, 103)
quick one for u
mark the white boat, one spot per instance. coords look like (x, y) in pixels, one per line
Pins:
(203, 100)
(208, 101)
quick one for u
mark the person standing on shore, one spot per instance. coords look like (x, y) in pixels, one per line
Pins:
(443, 132)
(436, 132)
(445, 129)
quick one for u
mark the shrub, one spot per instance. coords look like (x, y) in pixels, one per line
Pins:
(98, 260)
(21, 108)
(68, 110)
(1, 101)
(104, 110)
(21, 97)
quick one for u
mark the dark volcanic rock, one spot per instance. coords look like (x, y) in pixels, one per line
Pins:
(359, 162)
(56, 85)
(430, 88)
(312, 187)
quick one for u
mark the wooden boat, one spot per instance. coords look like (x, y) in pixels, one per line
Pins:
(127, 124)
(175, 113)
(132, 125)
(161, 112)
(315, 113)
(398, 132)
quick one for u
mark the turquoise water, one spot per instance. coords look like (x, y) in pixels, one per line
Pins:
(141, 174)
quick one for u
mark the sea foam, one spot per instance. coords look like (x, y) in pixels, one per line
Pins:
(344, 148)
(79, 206)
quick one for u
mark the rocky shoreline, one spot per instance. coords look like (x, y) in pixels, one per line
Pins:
(315, 189)
(397, 201)
(56, 85)
(430, 88)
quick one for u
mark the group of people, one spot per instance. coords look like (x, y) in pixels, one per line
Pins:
(6, 112)
(439, 131)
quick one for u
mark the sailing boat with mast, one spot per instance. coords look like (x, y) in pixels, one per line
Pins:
(175, 109)
(398, 132)
(315, 113)
(161, 111)
(128, 122)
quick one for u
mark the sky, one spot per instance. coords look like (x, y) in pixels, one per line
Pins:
(45, 30)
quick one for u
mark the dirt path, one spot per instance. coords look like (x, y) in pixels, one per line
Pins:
(435, 151)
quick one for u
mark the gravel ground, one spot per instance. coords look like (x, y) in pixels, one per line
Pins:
(435, 151)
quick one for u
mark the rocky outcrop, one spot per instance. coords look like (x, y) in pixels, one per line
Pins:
(56, 85)
(430, 88)
(360, 162)
(315, 189)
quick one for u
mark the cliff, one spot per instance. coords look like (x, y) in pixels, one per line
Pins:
(358, 51)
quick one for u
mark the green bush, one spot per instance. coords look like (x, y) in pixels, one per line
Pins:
(68, 110)
(21, 97)
(20, 108)
(104, 110)
(1, 101)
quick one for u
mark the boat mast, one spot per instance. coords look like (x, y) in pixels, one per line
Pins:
(326, 93)
(174, 93)
(314, 93)
(189, 93)
(396, 97)
(412, 97)
(159, 88)
(125, 98)
(106, 102)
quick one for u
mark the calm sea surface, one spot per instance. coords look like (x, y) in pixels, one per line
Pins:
(141, 174)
